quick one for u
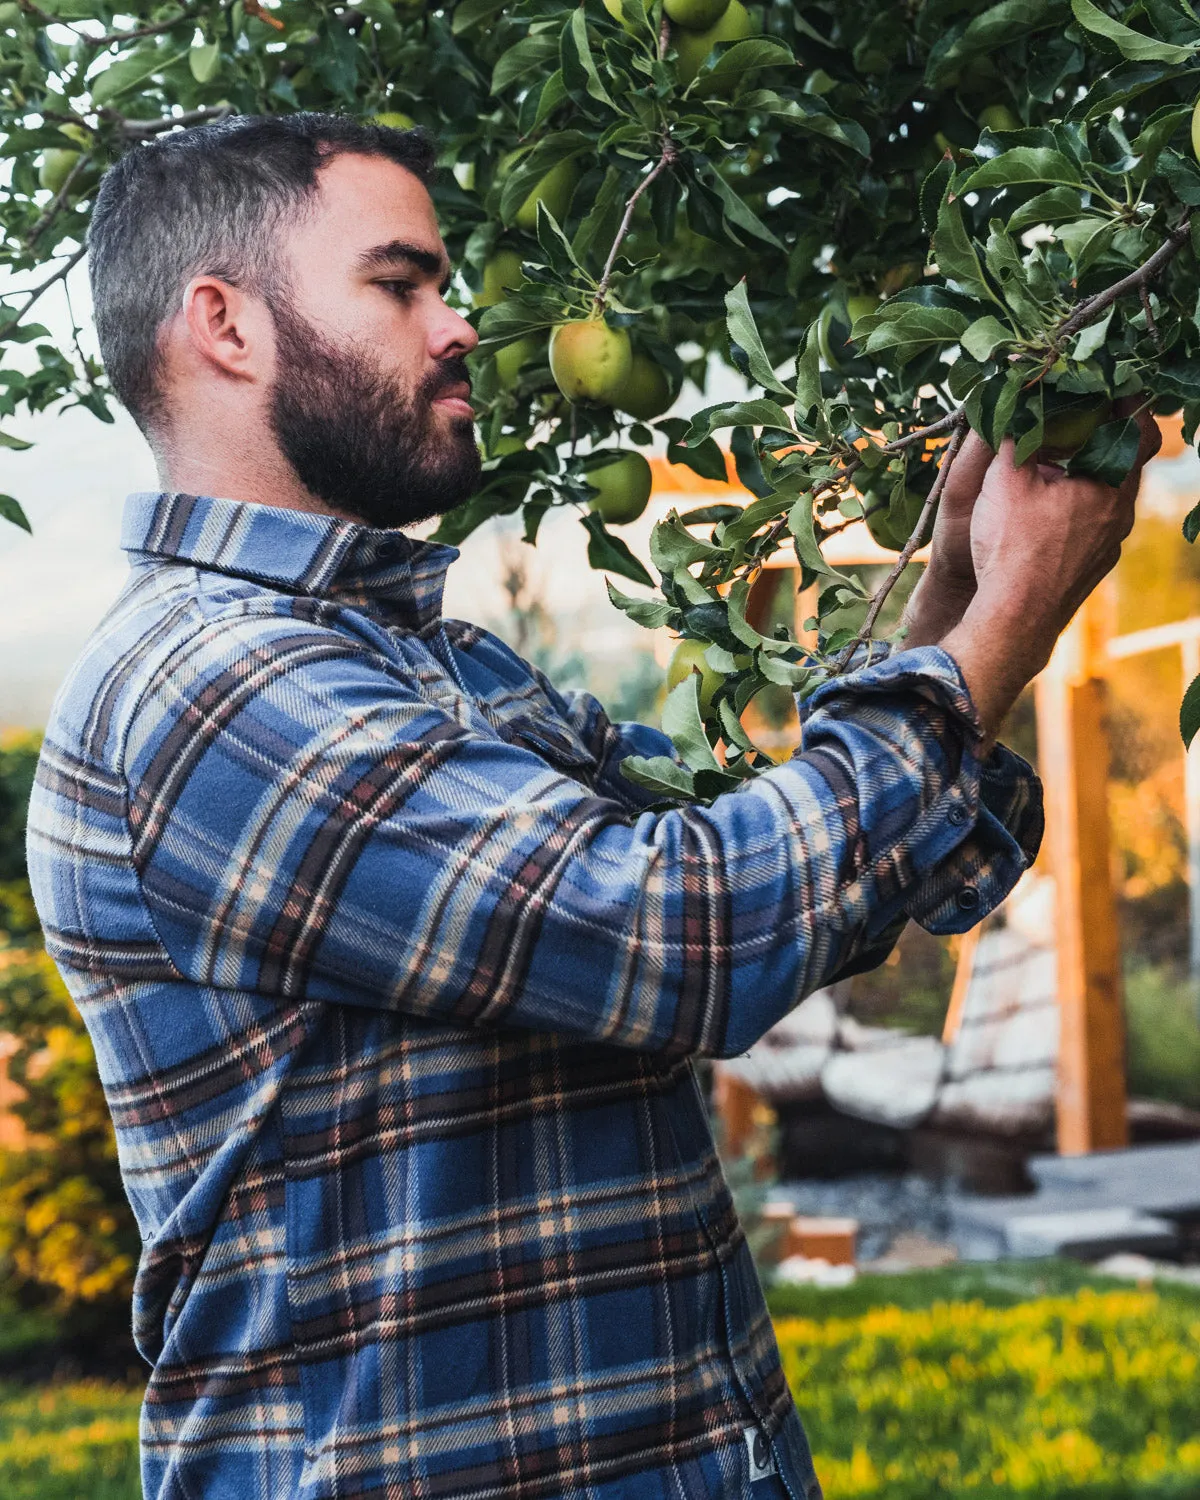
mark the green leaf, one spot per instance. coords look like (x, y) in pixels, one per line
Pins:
(672, 546)
(579, 70)
(1023, 164)
(1191, 524)
(744, 332)
(810, 114)
(955, 254)
(18, 445)
(470, 13)
(741, 59)
(985, 336)
(1189, 713)
(10, 510)
(681, 721)
(809, 398)
(1109, 454)
(555, 245)
(204, 61)
(1131, 44)
(735, 213)
(1050, 207)
(908, 328)
(650, 614)
(659, 773)
(609, 554)
(800, 524)
(1090, 340)
(525, 60)
(758, 413)
(128, 71)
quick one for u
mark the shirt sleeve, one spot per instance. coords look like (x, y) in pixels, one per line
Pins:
(309, 822)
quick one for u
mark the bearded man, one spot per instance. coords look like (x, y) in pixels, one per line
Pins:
(395, 982)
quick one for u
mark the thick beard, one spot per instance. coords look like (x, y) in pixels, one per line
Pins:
(356, 441)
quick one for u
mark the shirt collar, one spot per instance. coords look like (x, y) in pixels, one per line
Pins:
(298, 550)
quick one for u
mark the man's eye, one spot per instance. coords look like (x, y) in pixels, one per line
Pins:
(400, 289)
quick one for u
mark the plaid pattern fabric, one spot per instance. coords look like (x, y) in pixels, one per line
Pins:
(395, 983)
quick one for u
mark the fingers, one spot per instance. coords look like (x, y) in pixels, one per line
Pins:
(966, 474)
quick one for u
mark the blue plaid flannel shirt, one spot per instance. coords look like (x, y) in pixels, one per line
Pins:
(395, 985)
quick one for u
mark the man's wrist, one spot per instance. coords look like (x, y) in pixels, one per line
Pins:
(936, 606)
(998, 654)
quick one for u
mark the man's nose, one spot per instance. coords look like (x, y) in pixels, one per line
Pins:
(453, 333)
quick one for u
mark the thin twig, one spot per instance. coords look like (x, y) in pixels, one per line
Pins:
(885, 588)
(669, 155)
(45, 286)
(136, 130)
(664, 36)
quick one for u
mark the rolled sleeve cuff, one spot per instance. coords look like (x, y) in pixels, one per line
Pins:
(979, 831)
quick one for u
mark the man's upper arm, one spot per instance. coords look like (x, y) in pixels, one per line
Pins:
(308, 823)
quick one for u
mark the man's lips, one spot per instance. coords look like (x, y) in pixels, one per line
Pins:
(454, 398)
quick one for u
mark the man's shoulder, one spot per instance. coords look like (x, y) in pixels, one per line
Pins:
(173, 629)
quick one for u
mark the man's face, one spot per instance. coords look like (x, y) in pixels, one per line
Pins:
(368, 402)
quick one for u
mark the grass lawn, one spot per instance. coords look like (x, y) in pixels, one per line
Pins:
(1021, 1380)
(1028, 1381)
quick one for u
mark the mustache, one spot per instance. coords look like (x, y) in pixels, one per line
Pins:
(451, 373)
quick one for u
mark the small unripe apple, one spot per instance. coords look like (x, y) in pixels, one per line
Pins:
(511, 357)
(689, 654)
(647, 392)
(589, 360)
(861, 305)
(998, 117)
(56, 166)
(894, 533)
(1068, 427)
(555, 190)
(395, 119)
(624, 486)
(502, 269)
(695, 15)
(693, 47)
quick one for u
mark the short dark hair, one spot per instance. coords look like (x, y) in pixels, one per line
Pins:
(209, 201)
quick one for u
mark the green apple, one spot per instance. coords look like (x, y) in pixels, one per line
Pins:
(589, 360)
(624, 486)
(647, 392)
(394, 119)
(998, 117)
(689, 655)
(511, 357)
(555, 190)
(891, 531)
(694, 46)
(861, 305)
(56, 166)
(695, 15)
(1067, 427)
(501, 270)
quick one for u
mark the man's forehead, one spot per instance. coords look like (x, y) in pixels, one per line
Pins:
(382, 213)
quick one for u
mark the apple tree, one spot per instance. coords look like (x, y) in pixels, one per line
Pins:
(899, 220)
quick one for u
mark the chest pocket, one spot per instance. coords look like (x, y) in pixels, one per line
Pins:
(550, 739)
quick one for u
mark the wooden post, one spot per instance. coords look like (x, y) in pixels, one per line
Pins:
(1073, 752)
(1190, 651)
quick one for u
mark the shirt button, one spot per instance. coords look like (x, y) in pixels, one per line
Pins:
(968, 898)
(957, 815)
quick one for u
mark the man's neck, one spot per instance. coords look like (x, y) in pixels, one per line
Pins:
(266, 478)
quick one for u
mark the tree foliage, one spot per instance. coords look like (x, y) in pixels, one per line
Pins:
(67, 1237)
(896, 218)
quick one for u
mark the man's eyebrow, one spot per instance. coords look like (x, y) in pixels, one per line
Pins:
(397, 250)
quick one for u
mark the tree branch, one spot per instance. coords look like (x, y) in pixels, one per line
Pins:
(1090, 309)
(669, 155)
(45, 286)
(139, 130)
(902, 561)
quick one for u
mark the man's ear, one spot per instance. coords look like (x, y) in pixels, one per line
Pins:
(225, 327)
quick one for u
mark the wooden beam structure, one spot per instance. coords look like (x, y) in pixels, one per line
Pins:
(1073, 754)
